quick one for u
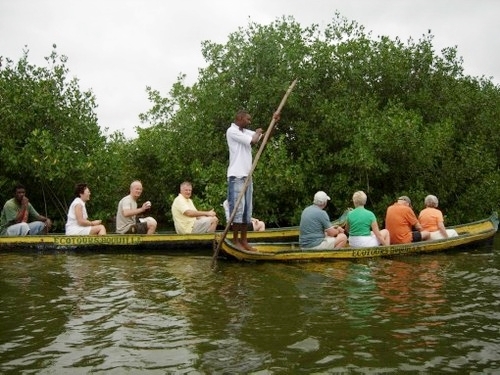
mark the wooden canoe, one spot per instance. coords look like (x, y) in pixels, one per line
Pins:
(469, 234)
(168, 241)
(117, 242)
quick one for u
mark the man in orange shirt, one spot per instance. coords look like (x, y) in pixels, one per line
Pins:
(402, 223)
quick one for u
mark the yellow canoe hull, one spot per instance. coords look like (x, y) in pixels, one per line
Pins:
(163, 241)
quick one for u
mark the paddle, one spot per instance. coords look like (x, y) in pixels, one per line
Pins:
(249, 178)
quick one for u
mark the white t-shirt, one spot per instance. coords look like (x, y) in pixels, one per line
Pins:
(240, 151)
(124, 223)
(72, 226)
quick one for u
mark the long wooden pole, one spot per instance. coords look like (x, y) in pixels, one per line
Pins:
(249, 178)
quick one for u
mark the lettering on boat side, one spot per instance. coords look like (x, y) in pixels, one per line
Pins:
(374, 252)
(100, 240)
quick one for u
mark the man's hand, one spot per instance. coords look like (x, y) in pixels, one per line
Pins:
(48, 224)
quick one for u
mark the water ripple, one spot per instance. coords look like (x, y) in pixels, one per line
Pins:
(157, 314)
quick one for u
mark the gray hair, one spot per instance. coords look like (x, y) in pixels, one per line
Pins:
(359, 198)
(319, 202)
(431, 201)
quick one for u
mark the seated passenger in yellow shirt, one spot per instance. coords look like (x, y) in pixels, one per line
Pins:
(187, 219)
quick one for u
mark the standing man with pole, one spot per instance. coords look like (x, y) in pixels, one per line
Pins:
(235, 202)
(240, 140)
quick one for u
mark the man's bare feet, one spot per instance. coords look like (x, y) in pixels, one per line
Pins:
(238, 244)
(247, 247)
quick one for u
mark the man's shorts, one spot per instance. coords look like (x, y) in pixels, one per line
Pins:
(328, 243)
(138, 228)
(416, 236)
(244, 211)
(202, 225)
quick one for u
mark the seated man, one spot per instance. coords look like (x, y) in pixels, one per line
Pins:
(316, 229)
(17, 213)
(187, 219)
(126, 215)
(402, 223)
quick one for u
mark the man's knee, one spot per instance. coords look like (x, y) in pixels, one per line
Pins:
(152, 223)
(20, 229)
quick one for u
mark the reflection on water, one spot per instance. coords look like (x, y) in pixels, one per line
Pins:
(157, 314)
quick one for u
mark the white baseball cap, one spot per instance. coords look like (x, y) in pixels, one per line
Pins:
(321, 197)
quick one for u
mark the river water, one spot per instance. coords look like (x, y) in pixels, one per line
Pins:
(161, 314)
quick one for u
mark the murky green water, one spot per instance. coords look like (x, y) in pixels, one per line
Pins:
(159, 314)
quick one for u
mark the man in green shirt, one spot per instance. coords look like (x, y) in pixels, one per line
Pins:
(19, 218)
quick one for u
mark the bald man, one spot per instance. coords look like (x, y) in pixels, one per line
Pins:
(127, 221)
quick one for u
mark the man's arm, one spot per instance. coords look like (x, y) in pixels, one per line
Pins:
(33, 213)
(442, 229)
(259, 132)
(334, 231)
(127, 212)
(257, 135)
(196, 213)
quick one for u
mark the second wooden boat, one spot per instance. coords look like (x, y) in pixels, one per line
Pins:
(469, 234)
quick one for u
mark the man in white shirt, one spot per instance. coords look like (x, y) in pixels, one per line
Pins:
(126, 215)
(240, 140)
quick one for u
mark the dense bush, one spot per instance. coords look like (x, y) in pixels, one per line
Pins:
(375, 114)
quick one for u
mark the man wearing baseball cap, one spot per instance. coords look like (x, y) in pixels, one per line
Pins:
(402, 223)
(316, 229)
